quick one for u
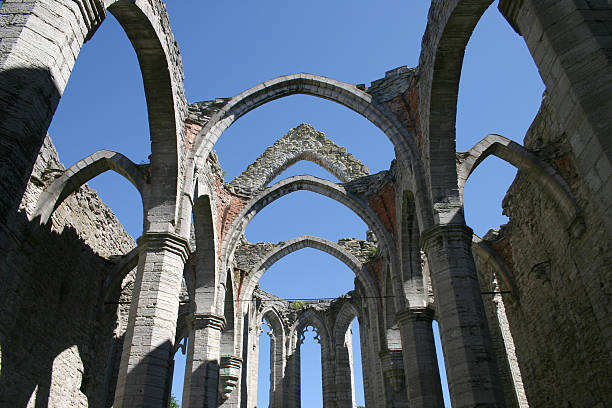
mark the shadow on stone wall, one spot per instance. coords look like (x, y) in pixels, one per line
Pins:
(51, 301)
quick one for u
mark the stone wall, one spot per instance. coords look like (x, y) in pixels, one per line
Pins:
(55, 332)
(559, 319)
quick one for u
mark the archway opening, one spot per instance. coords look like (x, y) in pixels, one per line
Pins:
(89, 117)
(178, 372)
(500, 92)
(358, 387)
(254, 132)
(311, 375)
(264, 368)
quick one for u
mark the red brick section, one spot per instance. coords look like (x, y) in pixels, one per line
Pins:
(191, 131)
(383, 204)
(411, 96)
(228, 208)
(405, 107)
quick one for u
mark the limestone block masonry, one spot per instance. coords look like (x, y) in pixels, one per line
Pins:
(90, 318)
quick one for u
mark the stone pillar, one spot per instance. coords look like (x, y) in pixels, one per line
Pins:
(250, 364)
(395, 382)
(327, 370)
(149, 338)
(277, 368)
(203, 361)
(470, 363)
(292, 380)
(420, 362)
(343, 382)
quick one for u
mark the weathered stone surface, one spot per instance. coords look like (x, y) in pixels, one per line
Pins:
(64, 329)
(524, 313)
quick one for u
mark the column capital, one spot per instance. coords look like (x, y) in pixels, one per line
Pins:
(423, 314)
(165, 241)
(435, 235)
(205, 320)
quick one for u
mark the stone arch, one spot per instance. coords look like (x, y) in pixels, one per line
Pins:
(448, 36)
(521, 158)
(321, 244)
(300, 143)
(489, 255)
(343, 320)
(128, 262)
(207, 280)
(296, 183)
(345, 94)
(83, 171)
(147, 25)
(340, 92)
(310, 317)
(271, 315)
(32, 94)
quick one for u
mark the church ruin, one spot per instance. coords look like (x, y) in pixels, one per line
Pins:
(90, 318)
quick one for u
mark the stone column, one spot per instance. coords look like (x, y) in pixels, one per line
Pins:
(292, 379)
(343, 382)
(149, 338)
(327, 369)
(201, 387)
(470, 363)
(395, 382)
(277, 368)
(420, 362)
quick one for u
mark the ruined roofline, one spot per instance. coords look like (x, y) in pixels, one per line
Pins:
(302, 142)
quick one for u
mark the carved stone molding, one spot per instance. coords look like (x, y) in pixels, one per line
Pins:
(229, 373)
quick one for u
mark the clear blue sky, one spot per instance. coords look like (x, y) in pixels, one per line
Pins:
(228, 48)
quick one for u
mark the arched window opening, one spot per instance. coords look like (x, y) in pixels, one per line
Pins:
(357, 365)
(441, 365)
(500, 89)
(311, 369)
(92, 115)
(178, 371)
(249, 137)
(305, 213)
(264, 366)
(500, 92)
